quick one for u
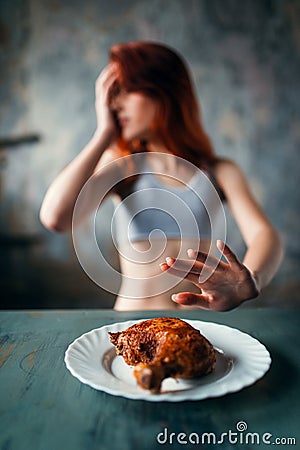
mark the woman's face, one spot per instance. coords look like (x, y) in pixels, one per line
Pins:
(136, 113)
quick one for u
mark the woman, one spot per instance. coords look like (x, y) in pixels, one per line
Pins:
(145, 104)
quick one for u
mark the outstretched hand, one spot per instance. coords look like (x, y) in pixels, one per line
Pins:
(228, 285)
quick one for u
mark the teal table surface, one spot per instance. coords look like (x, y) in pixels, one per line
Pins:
(42, 406)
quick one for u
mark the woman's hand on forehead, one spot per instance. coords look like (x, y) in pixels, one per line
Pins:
(105, 119)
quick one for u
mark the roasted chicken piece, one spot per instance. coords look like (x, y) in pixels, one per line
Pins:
(164, 347)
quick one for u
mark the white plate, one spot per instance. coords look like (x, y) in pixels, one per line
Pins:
(241, 360)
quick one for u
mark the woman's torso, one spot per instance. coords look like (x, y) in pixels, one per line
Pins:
(163, 214)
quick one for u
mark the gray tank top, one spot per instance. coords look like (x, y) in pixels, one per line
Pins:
(156, 210)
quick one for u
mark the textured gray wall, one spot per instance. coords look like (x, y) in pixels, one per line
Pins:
(244, 57)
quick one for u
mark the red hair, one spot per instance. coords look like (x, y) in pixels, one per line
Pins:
(159, 72)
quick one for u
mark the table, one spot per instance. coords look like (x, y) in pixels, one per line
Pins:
(43, 407)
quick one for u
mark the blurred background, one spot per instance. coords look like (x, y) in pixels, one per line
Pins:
(244, 57)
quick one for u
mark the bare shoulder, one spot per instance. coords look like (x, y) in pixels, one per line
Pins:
(229, 174)
(110, 155)
(225, 166)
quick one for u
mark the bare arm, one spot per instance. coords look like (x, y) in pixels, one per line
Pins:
(232, 282)
(58, 205)
(264, 248)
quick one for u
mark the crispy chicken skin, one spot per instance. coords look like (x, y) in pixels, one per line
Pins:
(164, 347)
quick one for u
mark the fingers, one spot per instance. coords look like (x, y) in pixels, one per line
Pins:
(211, 260)
(106, 77)
(180, 273)
(202, 257)
(199, 278)
(108, 70)
(191, 299)
(231, 258)
(197, 272)
(185, 266)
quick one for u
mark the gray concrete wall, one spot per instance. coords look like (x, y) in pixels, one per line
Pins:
(244, 57)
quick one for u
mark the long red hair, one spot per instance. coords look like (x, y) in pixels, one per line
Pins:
(160, 73)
